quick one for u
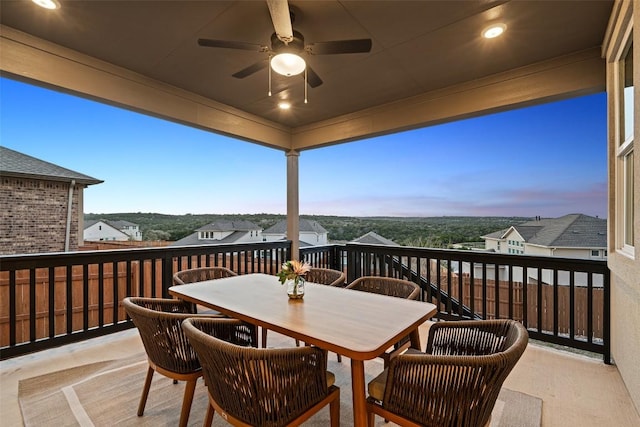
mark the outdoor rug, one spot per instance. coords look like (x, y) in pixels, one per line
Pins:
(107, 393)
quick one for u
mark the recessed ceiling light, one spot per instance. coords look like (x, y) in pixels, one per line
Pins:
(493, 31)
(283, 105)
(47, 4)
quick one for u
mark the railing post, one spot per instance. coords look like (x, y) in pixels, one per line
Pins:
(167, 274)
(336, 257)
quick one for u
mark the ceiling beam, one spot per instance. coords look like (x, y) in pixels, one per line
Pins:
(25, 57)
(560, 78)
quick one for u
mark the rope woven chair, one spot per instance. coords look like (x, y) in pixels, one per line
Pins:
(261, 387)
(389, 286)
(456, 382)
(168, 350)
(326, 276)
(201, 274)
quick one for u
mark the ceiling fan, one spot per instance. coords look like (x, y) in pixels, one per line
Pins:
(286, 47)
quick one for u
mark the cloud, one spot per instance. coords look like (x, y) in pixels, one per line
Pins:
(524, 202)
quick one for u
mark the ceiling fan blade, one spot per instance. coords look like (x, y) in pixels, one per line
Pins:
(339, 46)
(313, 79)
(281, 18)
(246, 72)
(227, 44)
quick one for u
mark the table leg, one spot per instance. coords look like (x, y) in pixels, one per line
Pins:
(358, 391)
(415, 339)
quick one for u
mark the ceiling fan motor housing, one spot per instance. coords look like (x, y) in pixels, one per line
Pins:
(295, 46)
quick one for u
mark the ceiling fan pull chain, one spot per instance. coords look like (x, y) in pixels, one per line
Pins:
(269, 75)
(305, 85)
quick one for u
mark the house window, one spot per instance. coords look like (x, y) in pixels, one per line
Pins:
(625, 154)
(595, 253)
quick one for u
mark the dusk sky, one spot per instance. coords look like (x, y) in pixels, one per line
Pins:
(547, 160)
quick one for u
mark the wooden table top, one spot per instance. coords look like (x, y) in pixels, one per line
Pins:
(356, 324)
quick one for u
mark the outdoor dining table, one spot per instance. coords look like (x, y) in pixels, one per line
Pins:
(355, 324)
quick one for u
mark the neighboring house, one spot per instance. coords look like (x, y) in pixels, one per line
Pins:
(373, 238)
(223, 231)
(103, 230)
(311, 232)
(42, 205)
(128, 228)
(570, 236)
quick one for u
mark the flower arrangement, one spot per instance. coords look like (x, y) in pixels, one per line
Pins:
(294, 272)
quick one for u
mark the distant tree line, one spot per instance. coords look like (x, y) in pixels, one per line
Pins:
(433, 232)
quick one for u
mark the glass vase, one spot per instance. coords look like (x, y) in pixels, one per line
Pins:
(295, 288)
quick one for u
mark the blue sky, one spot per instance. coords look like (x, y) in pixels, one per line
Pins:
(547, 160)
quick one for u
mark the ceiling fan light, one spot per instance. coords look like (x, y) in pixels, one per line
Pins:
(288, 64)
(47, 4)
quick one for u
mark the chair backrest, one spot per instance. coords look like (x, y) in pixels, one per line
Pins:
(158, 321)
(458, 383)
(259, 386)
(386, 286)
(326, 276)
(201, 274)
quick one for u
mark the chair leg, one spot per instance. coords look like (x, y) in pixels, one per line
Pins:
(189, 389)
(371, 419)
(334, 412)
(339, 357)
(264, 337)
(297, 343)
(208, 419)
(145, 391)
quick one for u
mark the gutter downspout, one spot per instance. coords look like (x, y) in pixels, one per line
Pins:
(69, 209)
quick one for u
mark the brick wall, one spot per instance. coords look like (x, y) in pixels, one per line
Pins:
(33, 216)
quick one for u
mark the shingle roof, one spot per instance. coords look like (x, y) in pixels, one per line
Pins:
(306, 225)
(227, 225)
(13, 163)
(373, 238)
(121, 223)
(192, 239)
(573, 230)
(117, 224)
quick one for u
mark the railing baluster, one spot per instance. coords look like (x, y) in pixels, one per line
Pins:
(69, 295)
(472, 289)
(525, 295)
(510, 285)
(32, 305)
(540, 302)
(572, 305)
(85, 297)
(484, 291)
(496, 290)
(101, 308)
(555, 302)
(13, 324)
(52, 302)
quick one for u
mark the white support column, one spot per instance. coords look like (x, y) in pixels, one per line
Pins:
(293, 203)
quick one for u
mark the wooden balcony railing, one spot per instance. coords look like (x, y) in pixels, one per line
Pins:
(48, 300)
(563, 301)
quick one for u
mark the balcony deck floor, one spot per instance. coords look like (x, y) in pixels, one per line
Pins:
(576, 390)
